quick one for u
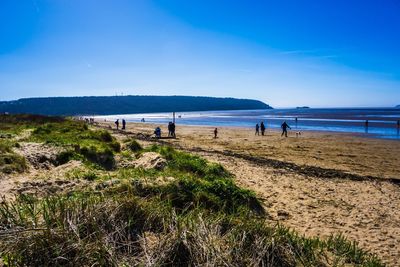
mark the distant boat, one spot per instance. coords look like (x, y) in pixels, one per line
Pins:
(304, 107)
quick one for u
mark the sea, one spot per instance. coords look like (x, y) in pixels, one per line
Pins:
(382, 122)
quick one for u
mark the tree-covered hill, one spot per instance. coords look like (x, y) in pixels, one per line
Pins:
(108, 105)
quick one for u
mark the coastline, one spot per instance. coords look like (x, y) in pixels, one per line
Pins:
(348, 152)
(322, 202)
(381, 123)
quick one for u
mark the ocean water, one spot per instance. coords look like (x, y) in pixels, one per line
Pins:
(382, 123)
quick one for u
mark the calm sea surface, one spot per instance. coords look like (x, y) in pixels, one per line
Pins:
(382, 123)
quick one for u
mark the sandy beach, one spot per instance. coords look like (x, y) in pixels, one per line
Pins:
(319, 184)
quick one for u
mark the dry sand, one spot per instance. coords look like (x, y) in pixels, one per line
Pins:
(356, 193)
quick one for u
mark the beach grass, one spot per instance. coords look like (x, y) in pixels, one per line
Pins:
(115, 227)
(10, 161)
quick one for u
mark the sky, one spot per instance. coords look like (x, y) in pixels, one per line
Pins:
(286, 53)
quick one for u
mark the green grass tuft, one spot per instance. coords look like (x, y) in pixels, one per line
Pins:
(10, 162)
(134, 146)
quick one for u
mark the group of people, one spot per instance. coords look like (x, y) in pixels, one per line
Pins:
(171, 129)
(261, 127)
(87, 120)
(123, 124)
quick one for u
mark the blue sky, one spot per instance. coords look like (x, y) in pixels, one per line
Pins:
(285, 53)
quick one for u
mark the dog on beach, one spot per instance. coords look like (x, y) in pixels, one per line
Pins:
(298, 134)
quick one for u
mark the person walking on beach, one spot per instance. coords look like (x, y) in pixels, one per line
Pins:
(215, 133)
(117, 123)
(284, 127)
(123, 124)
(262, 128)
(257, 129)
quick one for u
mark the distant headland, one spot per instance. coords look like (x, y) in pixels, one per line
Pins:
(110, 105)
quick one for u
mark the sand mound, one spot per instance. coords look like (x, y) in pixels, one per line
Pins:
(37, 184)
(151, 160)
(48, 187)
(40, 156)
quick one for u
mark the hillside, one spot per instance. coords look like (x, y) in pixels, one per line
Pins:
(109, 105)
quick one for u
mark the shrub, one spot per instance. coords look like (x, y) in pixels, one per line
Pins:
(9, 161)
(105, 136)
(218, 195)
(134, 146)
(104, 158)
(64, 157)
(90, 176)
(116, 146)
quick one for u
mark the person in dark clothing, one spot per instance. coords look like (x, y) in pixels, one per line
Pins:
(366, 126)
(215, 133)
(117, 123)
(257, 129)
(157, 132)
(173, 130)
(123, 124)
(284, 127)
(262, 126)
(169, 129)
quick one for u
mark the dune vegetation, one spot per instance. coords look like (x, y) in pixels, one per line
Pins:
(183, 211)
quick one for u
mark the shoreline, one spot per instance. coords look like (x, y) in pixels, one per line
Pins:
(275, 130)
(347, 152)
(380, 129)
